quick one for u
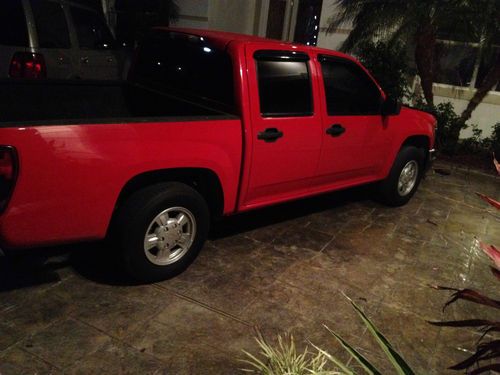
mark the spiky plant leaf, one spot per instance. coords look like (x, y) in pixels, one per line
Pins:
(345, 370)
(468, 295)
(397, 361)
(365, 363)
(492, 252)
(484, 351)
(486, 369)
(489, 200)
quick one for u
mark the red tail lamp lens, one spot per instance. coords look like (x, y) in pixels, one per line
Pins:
(27, 65)
(8, 172)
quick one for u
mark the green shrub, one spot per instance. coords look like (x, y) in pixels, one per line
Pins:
(474, 144)
(283, 359)
(449, 125)
(388, 63)
(494, 140)
(483, 148)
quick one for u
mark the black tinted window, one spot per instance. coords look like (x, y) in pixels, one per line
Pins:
(284, 87)
(13, 31)
(51, 25)
(349, 91)
(188, 67)
(91, 29)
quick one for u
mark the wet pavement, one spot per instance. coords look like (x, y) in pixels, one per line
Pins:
(281, 269)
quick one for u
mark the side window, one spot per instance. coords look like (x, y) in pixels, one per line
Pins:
(91, 30)
(13, 30)
(51, 25)
(284, 84)
(349, 90)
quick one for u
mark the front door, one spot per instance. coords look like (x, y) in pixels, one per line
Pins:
(286, 125)
(355, 134)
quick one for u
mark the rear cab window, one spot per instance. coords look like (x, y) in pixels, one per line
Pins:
(51, 24)
(349, 91)
(13, 28)
(188, 67)
(285, 88)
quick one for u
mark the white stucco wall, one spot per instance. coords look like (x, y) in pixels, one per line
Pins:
(233, 15)
(193, 14)
(334, 40)
(485, 115)
(226, 15)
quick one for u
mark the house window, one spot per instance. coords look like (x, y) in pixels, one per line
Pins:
(486, 63)
(463, 64)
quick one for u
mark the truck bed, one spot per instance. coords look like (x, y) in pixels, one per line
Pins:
(74, 102)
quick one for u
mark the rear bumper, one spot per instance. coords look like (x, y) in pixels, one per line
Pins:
(431, 157)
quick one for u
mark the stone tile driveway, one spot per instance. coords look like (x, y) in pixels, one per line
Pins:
(279, 269)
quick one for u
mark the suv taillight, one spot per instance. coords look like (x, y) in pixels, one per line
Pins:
(27, 65)
(8, 174)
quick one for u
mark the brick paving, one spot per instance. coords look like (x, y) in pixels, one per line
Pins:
(281, 269)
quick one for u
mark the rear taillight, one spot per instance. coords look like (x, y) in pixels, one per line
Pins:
(8, 174)
(27, 65)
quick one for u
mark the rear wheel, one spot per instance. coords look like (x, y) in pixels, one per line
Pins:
(160, 230)
(404, 177)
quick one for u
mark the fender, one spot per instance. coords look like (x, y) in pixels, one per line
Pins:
(410, 127)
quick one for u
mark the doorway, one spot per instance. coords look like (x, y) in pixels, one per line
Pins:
(291, 20)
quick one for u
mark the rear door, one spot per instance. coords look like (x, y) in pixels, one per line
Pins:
(286, 124)
(354, 134)
(97, 54)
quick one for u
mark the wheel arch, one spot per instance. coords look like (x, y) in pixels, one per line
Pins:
(203, 180)
(419, 141)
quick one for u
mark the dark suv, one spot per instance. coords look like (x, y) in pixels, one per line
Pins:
(56, 39)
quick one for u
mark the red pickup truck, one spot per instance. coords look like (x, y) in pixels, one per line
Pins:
(207, 124)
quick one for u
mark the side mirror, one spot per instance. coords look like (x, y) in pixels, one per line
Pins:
(391, 107)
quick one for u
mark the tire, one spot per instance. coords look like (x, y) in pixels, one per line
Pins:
(410, 161)
(160, 230)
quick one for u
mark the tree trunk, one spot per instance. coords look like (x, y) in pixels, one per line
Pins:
(424, 58)
(488, 83)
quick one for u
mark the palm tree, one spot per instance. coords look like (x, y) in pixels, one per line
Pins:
(419, 23)
(485, 21)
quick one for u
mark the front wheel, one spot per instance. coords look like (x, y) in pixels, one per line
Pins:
(160, 230)
(404, 177)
